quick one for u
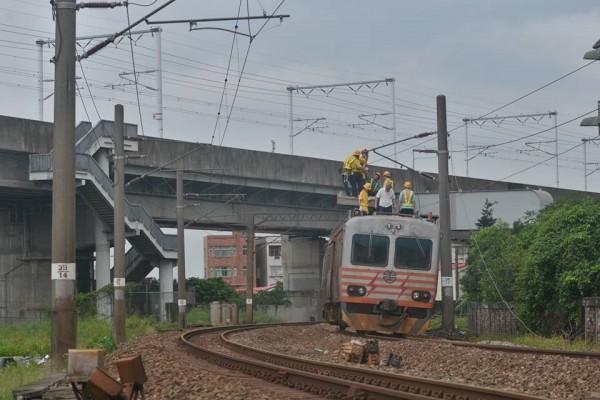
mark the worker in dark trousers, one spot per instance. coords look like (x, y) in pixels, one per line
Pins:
(354, 169)
(407, 199)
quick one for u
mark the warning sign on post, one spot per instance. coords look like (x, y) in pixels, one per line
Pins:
(63, 271)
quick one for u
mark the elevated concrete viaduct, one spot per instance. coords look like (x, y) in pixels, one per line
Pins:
(291, 195)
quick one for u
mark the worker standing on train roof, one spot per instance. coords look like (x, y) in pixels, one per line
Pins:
(364, 159)
(363, 199)
(387, 177)
(385, 200)
(353, 170)
(407, 199)
(375, 183)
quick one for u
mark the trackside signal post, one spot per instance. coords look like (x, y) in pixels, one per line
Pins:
(444, 193)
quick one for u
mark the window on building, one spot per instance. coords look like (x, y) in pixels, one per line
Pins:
(245, 271)
(276, 271)
(223, 272)
(222, 251)
(245, 250)
(275, 251)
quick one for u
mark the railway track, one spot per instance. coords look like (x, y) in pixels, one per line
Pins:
(325, 379)
(494, 347)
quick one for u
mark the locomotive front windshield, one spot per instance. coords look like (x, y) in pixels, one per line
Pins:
(370, 250)
(412, 253)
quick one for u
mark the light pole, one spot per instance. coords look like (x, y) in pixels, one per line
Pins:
(590, 121)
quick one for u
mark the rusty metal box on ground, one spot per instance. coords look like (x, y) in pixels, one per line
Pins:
(131, 370)
(101, 385)
(81, 363)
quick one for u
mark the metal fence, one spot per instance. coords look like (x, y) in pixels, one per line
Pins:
(492, 318)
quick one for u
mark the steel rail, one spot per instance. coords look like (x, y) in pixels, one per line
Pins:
(331, 380)
(494, 347)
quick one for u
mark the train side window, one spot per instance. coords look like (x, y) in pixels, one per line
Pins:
(413, 253)
(370, 250)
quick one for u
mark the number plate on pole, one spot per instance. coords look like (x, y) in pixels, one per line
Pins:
(63, 271)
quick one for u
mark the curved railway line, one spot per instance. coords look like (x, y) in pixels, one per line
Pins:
(494, 347)
(323, 379)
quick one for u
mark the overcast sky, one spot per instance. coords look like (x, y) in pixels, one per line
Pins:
(482, 55)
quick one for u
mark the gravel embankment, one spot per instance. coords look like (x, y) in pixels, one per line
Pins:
(175, 375)
(553, 377)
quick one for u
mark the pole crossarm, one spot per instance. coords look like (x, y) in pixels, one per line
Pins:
(307, 90)
(112, 38)
(522, 118)
(333, 86)
(308, 126)
(51, 41)
(363, 117)
(195, 21)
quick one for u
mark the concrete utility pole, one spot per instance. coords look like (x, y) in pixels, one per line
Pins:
(119, 227)
(180, 252)
(444, 193)
(249, 268)
(63, 270)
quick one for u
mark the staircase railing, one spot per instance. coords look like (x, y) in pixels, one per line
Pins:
(133, 212)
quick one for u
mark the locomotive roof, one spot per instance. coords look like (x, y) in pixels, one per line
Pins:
(381, 223)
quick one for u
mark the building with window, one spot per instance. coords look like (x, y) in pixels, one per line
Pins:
(225, 257)
(269, 263)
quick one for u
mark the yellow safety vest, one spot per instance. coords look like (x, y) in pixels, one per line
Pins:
(348, 162)
(408, 198)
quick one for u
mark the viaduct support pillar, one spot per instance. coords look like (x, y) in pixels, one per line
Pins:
(103, 305)
(165, 278)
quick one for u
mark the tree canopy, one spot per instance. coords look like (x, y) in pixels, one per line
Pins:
(545, 265)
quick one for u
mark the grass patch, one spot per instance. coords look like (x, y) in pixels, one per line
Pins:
(199, 316)
(14, 376)
(259, 317)
(540, 342)
(33, 339)
(27, 339)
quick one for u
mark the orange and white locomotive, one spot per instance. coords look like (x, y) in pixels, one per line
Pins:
(380, 274)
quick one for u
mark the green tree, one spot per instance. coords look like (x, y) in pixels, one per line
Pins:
(561, 265)
(213, 289)
(493, 266)
(275, 296)
(487, 215)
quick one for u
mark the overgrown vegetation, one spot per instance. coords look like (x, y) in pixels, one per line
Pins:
(33, 339)
(545, 265)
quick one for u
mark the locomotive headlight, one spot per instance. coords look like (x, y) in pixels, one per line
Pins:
(421, 295)
(356, 291)
(398, 227)
(389, 226)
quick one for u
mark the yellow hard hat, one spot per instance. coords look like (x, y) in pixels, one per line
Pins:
(407, 184)
(367, 186)
(376, 174)
(356, 152)
(387, 174)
